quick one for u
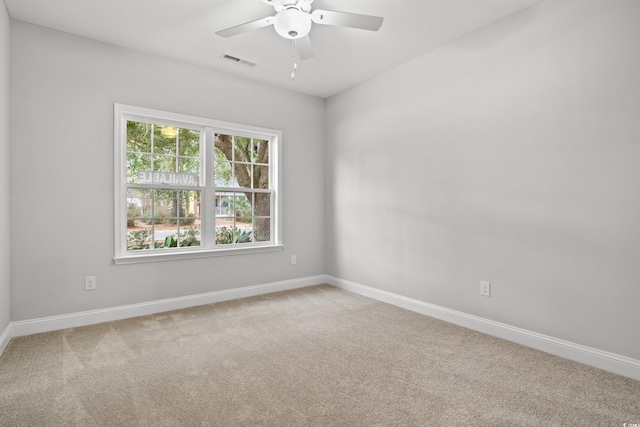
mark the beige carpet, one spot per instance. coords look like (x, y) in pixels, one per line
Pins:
(317, 356)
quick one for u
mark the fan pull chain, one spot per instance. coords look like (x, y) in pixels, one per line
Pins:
(293, 59)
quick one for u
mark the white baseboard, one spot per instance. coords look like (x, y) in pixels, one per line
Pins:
(5, 337)
(74, 320)
(589, 356)
(611, 362)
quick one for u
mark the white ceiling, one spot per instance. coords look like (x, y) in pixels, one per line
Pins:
(184, 30)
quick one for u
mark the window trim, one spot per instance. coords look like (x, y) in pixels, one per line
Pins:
(123, 113)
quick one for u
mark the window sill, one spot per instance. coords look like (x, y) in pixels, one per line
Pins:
(172, 256)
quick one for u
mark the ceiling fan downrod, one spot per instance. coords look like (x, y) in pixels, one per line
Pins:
(293, 58)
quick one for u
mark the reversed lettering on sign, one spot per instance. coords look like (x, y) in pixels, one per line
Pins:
(172, 178)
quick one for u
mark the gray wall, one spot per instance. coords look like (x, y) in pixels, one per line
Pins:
(512, 156)
(63, 91)
(5, 255)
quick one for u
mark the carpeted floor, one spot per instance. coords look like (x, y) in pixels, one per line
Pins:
(317, 356)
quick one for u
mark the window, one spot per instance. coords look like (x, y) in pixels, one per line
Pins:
(191, 187)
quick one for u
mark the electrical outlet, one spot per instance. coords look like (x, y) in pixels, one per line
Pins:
(293, 260)
(89, 283)
(485, 289)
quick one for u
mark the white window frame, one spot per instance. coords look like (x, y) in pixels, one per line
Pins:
(208, 127)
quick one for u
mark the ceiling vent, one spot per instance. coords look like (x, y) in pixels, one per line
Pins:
(235, 59)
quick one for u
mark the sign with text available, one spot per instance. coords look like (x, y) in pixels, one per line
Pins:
(171, 178)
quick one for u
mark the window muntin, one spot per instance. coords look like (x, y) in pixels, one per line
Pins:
(191, 185)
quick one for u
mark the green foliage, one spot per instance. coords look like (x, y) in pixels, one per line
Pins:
(189, 220)
(241, 205)
(188, 237)
(141, 239)
(225, 236)
(162, 154)
(222, 168)
(137, 239)
(170, 242)
(138, 137)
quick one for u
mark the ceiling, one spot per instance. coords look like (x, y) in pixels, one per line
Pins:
(184, 30)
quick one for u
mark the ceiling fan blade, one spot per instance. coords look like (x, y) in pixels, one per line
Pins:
(247, 26)
(345, 19)
(304, 48)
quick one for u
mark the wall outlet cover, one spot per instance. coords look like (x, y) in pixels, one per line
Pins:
(485, 289)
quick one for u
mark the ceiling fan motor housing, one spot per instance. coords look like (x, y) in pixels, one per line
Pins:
(292, 23)
(280, 5)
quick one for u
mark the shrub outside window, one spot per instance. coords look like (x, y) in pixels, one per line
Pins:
(190, 187)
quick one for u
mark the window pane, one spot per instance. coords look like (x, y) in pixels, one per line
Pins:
(165, 239)
(224, 231)
(165, 206)
(138, 203)
(189, 221)
(242, 175)
(135, 163)
(224, 205)
(262, 204)
(223, 174)
(242, 205)
(164, 164)
(165, 140)
(188, 143)
(260, 151)
(242, 149)
(243, 233)
(162, 229)
(138, 137)
(189, 204)
(139, 208)
(190, 165)
(219, 155)
(190, 236)
(260, 176)
(139, 238)
(227, 233)
(244, 223)
(224, 146)
(261, 229)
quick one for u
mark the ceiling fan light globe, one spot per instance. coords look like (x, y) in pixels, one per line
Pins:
(292, 24)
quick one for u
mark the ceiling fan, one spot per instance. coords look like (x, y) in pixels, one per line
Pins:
(293, 21)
